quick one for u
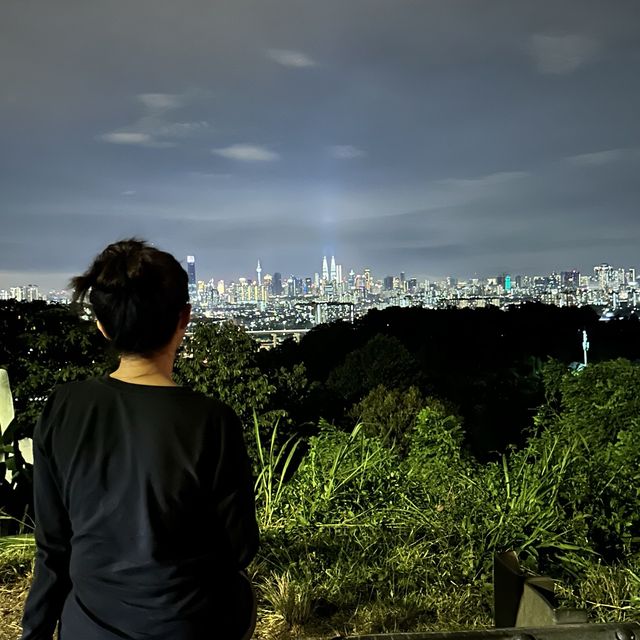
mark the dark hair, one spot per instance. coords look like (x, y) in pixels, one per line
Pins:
(137, 292)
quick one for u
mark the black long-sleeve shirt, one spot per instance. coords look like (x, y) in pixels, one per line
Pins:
(145, 516)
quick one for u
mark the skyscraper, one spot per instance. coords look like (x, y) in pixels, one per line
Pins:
(367, 278)
(191, 273)
(631, 276)
(604, 275)
(570, 279)
(333, 269)
(325, 269)
(276, 283)
(259, 272)
(292, 288)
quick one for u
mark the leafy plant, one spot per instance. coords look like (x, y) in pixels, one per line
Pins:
(273, 464)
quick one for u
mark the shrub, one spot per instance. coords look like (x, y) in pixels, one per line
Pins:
(389, 414)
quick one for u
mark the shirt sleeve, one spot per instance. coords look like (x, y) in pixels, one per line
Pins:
(234, 499)
(51, 582)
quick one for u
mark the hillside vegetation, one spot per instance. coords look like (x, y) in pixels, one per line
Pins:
(394, 457)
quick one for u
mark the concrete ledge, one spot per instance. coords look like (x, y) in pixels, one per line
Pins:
(618, 631)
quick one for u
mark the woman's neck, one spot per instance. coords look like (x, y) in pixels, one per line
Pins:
(155, 370)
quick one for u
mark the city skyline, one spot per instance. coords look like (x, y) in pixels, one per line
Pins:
(435, 138)
(272, 307)
(339, 272)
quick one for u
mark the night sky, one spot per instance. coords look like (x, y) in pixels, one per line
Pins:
(438, 138)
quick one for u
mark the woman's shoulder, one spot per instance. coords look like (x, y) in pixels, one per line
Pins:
(104, 389)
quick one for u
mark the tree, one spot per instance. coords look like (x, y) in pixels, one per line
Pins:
(41, 346)
(389, 414)
(382, 360)
(221, 360)
(597, 411)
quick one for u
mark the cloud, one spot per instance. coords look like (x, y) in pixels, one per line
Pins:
(161, 101)
(209, 175)
(559, 55)
(597, 158)
(289, 58)
(127, 137)
(346, 152)
(247, 153)
(490, 181)
(152, 128)
(176, 129)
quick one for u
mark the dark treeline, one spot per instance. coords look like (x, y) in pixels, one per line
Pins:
(485, 364)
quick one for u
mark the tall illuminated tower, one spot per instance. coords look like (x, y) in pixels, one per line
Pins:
(259, 272)
(333, 268)
(325, 269)
(191, 273)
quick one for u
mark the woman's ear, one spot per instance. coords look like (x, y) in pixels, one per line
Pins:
(101, 329)
(185, 316)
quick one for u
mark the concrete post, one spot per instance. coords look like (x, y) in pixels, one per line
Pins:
(7, 415)
(6, 402)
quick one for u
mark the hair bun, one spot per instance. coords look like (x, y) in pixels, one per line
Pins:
(122, 265)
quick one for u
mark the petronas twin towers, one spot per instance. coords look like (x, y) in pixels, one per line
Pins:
(333, 275)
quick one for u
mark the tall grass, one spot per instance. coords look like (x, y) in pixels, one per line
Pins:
(17, 552)
(273, 465)
(362, 538)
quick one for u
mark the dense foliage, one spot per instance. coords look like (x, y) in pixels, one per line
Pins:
(372, 539)
(394, 456)
(485, 363)
(41, 346)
